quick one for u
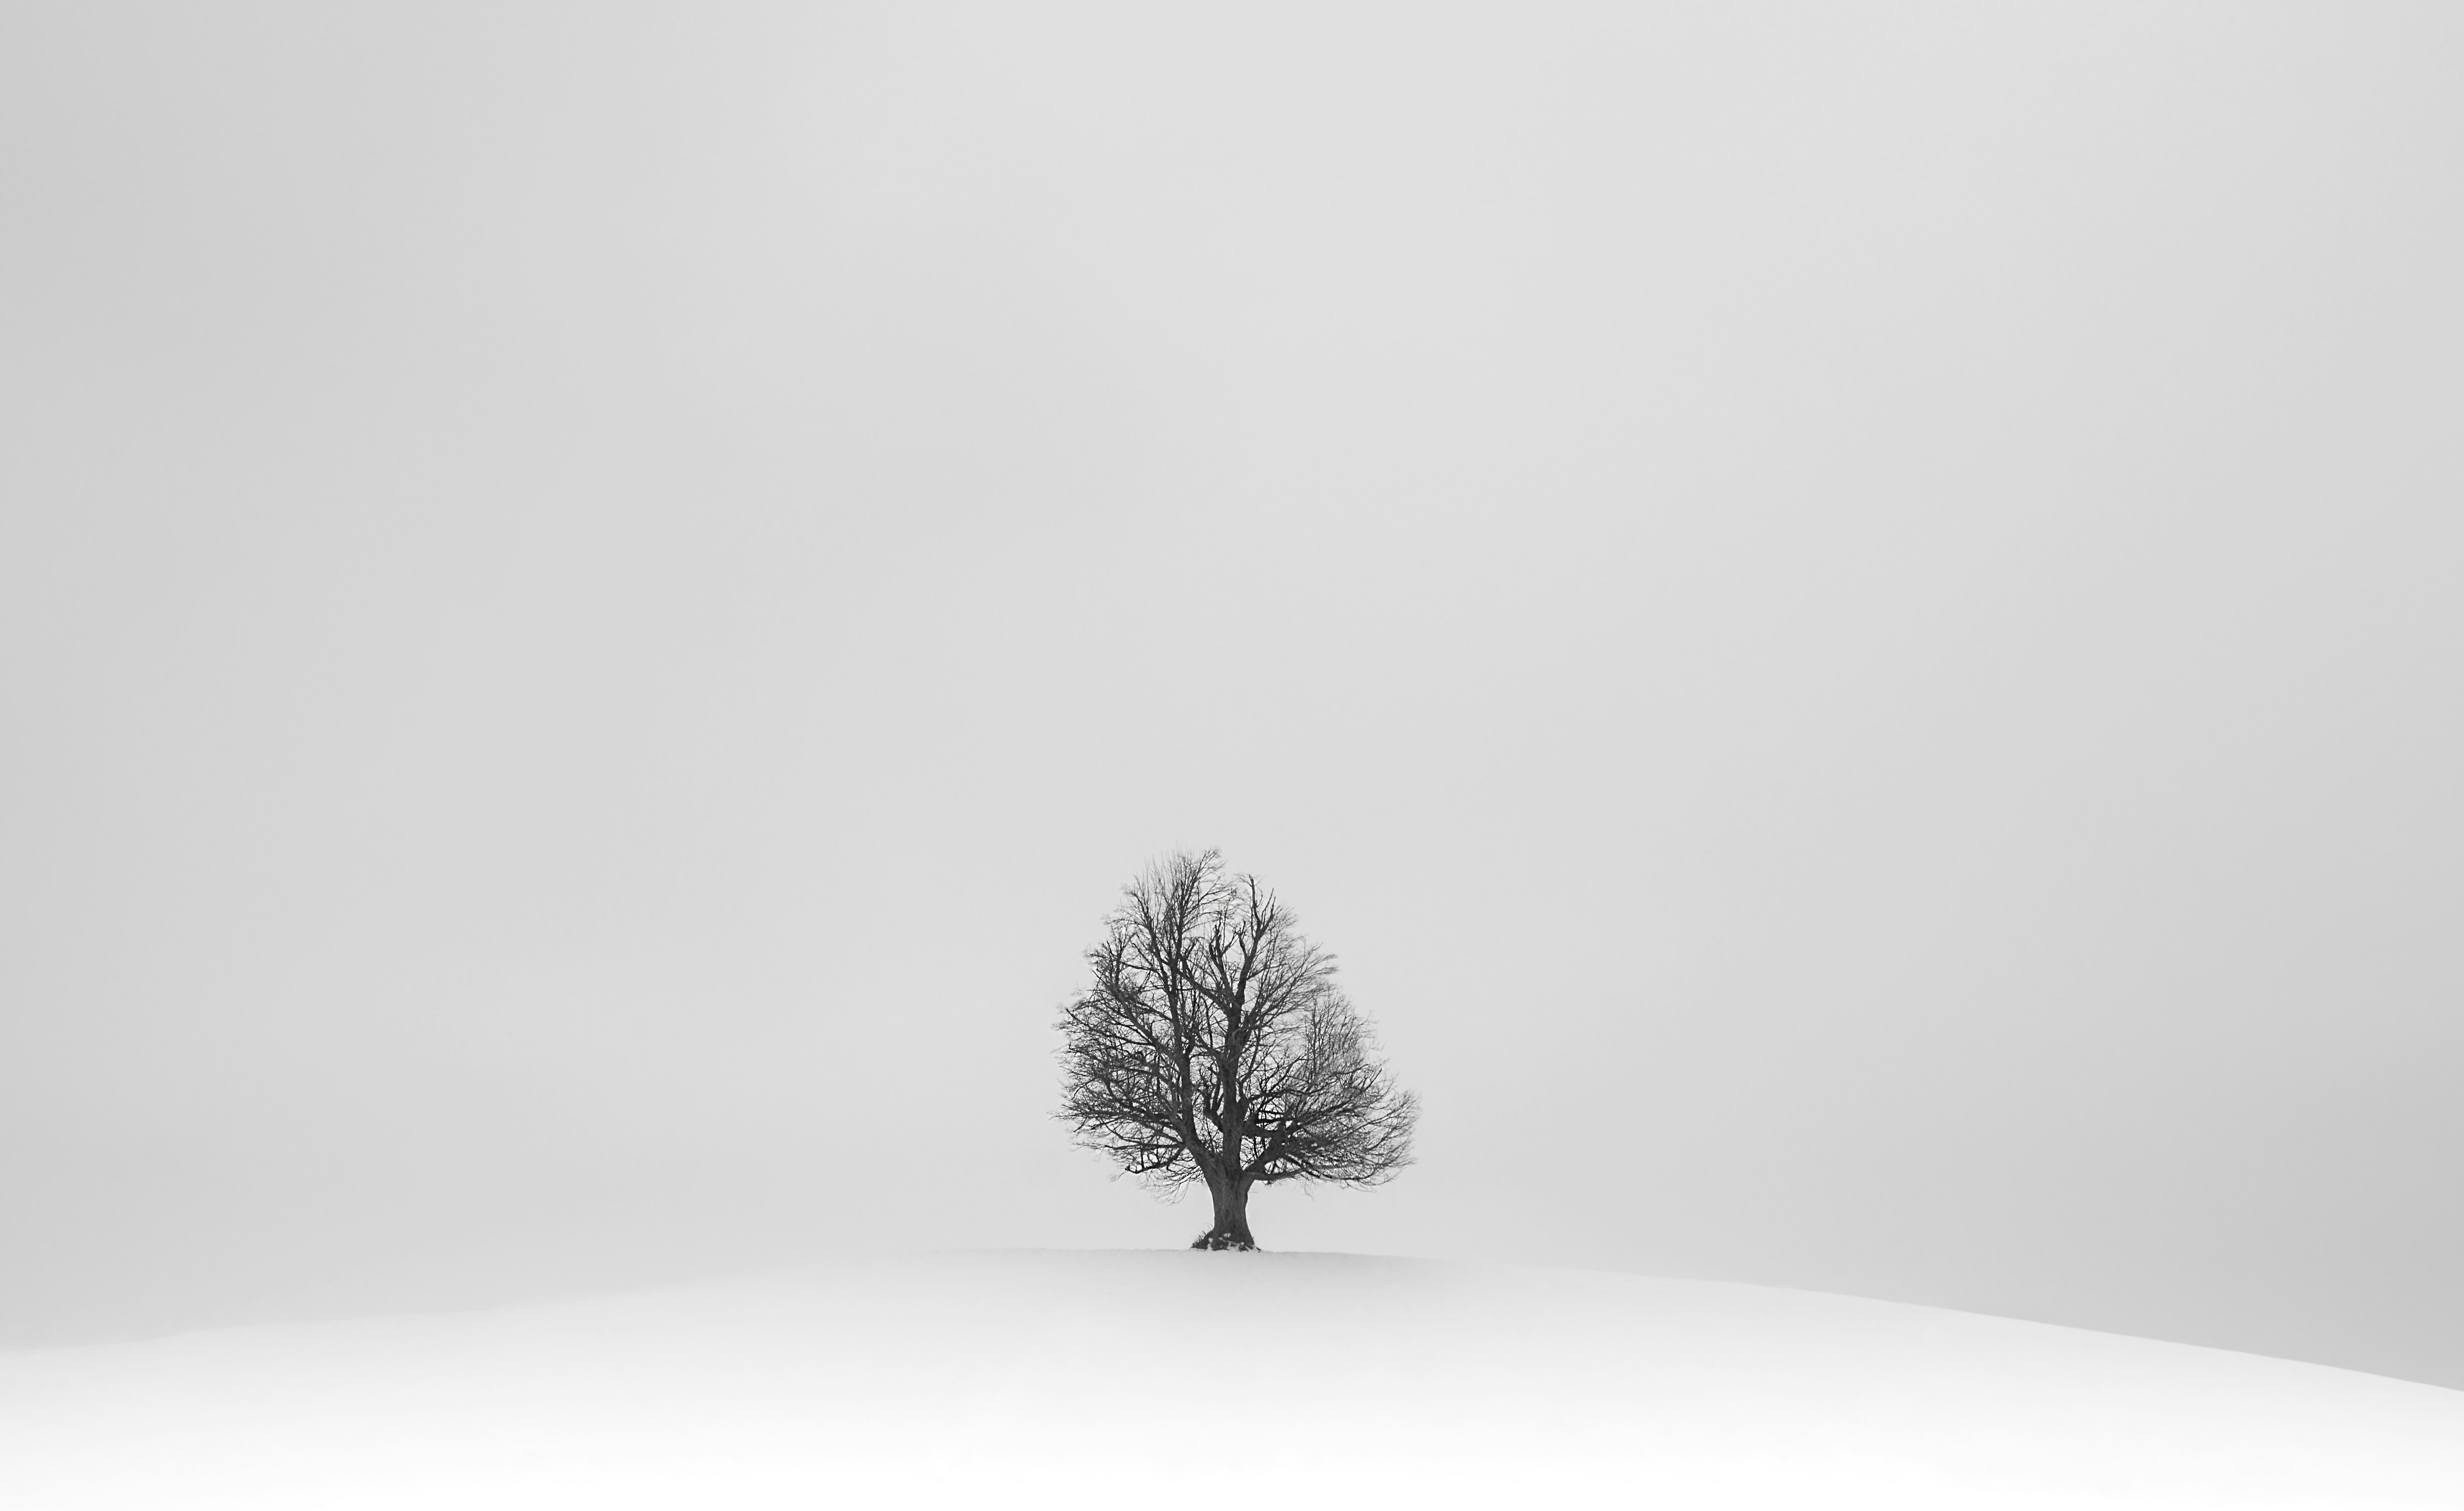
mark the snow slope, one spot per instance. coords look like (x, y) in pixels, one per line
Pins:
(1047, 1378)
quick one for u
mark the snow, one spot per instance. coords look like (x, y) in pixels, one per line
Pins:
(1269, 1380)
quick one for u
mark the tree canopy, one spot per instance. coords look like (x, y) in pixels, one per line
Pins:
(1214, 1044)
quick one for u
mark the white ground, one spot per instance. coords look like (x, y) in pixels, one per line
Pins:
(1269, 1380)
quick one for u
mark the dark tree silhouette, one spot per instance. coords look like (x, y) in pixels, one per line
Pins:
(1214, 1045)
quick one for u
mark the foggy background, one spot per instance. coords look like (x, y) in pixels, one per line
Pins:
(1847, 616)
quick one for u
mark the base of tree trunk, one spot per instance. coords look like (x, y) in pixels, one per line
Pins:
(1224, 1241)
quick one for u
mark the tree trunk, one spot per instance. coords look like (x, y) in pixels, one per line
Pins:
(1231, 1230)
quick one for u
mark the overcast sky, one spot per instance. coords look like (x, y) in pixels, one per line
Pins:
(1847, 616)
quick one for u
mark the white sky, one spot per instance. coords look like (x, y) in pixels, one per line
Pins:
(1846, 616)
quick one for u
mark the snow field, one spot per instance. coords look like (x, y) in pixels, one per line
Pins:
(1284, 1380)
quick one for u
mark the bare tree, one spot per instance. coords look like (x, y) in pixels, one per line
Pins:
(1214, 1045)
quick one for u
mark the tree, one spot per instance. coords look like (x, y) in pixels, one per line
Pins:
(1214, 1045)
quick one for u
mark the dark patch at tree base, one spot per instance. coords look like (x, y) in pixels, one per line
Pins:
(1220, 1242)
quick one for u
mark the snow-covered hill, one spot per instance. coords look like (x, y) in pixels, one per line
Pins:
(1258, 1380)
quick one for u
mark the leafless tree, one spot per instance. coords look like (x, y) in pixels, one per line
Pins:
(1214, 1044)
